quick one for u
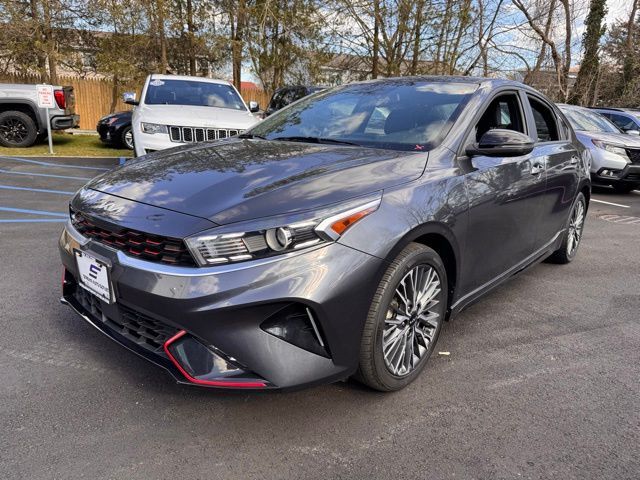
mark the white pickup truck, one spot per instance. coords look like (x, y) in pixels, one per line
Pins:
(22, 122)
(175, 110)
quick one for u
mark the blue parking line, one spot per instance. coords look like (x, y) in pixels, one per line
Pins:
(44, 175)
(49, 164)
(33, 220)
(35, 212)
(41, 190)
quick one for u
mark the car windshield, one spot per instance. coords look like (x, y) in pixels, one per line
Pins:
(397, 115)
(192, 93)
(589, 121)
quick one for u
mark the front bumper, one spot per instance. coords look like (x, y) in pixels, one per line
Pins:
(148, 143)
(630, 174)
(224, 309)
(106, 133)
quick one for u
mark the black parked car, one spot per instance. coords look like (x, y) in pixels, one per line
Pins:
(115, 130)
(286, 95)
(330, 240)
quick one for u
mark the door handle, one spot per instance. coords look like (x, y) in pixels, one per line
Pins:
(537, 168)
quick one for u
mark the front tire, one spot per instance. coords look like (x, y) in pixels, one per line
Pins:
(573, 234)
(126, 138)
(404, 320)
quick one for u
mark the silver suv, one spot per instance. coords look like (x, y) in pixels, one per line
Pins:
(626, 119)
(615, 155)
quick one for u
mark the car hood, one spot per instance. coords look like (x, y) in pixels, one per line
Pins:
(119, 115)
(190, 116)
(239, 180)
(629, 141)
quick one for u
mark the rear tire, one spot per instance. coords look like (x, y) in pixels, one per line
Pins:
(573, 233)
(404, 320)
(17, 129)
(624, 188)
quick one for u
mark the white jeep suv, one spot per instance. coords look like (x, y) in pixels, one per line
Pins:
(175, 110)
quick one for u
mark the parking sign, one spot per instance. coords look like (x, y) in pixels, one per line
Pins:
(45, 96)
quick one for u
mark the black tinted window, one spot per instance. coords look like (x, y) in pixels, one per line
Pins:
(401, 115)
(545, 119)
(621, 121)
(192, 93)
(503, 112)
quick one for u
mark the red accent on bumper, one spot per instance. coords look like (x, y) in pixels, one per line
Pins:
(210, 383)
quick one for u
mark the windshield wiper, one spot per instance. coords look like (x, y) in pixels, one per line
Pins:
(251, 136)
(316, 140)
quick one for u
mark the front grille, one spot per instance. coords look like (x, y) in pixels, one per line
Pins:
(142, 245)
(141, 329)
(634, 155)
(198, 134)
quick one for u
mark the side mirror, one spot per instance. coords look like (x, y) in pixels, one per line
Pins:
(501, 143)
(254, 107)
(632, 132)
(130, 98)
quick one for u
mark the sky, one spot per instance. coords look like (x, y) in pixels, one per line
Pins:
(616, 10)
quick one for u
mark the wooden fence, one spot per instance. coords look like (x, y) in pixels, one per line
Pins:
(93, 96)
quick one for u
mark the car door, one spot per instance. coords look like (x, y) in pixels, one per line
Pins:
(553, 147)
(503, 197)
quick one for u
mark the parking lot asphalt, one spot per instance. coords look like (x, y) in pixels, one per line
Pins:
(542, 379)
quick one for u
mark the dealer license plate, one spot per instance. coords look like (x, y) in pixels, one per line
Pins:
(94, 275)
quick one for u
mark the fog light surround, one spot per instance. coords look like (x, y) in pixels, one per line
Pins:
(296, 324)
(201, 365)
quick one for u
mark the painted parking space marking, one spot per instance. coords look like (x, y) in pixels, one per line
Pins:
(32, 220)
(33, 212)
(39, 190)
(41, 170)
(623, 219)
(45, 175)
(49, 164)
(610, 203)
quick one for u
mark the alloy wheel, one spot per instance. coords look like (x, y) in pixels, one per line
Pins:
(128, 139)
(575, 228)
(13, 130)
(412, 320)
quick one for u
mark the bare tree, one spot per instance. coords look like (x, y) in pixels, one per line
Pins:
(561, 60)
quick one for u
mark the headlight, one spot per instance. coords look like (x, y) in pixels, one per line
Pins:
(273, 237)
(153, 128)
(112, 120)
(617, 149)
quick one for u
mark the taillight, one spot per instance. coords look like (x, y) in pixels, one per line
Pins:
(59, 96)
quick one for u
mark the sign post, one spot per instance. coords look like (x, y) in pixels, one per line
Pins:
(46, 101)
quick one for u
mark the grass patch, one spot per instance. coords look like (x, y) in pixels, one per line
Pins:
(67, 145)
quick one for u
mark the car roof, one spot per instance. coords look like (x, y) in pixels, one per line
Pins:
(158, 76)
(577, 107)
(630, 111)
(481, 81)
